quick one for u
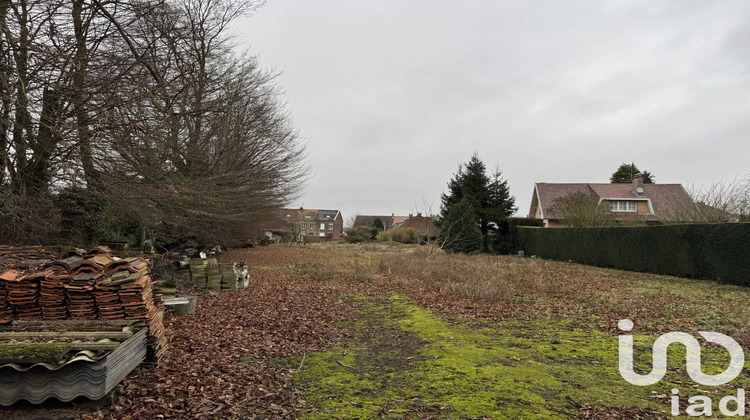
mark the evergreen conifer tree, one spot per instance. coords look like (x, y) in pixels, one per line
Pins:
(488, 196)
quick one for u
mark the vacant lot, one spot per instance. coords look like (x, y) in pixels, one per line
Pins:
(456, 336)
(393, 331)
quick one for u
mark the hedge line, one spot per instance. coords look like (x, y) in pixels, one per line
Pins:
(712, 252)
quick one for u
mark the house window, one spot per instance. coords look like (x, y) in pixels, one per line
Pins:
(310, 233)
(623, 206)
(330, 226)
(303, 226)
(322, 226)
(322, 234)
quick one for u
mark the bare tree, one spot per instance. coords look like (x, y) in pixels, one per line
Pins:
(726, 201)
(145, 104)
(349, 223)
(225, 152)
(580, 210)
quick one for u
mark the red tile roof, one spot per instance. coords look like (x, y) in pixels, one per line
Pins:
(663, 197)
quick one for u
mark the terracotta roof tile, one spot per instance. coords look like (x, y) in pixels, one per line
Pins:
(664, 197)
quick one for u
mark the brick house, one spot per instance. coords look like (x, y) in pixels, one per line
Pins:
(367, 221)
(314, 225)
(651, 203)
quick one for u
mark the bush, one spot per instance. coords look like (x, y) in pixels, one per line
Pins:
(706, 251)
(355, 239)
(384, 237)
(368, 233)
(404, 235)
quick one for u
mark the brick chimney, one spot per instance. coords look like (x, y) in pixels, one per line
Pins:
(637, 182)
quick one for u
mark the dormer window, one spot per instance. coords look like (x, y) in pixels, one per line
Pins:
(623, 206)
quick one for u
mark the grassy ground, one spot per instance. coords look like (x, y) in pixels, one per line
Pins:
(455, 336)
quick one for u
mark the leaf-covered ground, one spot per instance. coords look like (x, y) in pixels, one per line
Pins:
(342, 331)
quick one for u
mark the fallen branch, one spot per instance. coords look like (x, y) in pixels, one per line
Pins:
(344, 364)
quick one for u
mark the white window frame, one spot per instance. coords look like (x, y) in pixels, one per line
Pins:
(312, 226)
(624, 206)
(322, 234)
(322, 226)
(330, 226)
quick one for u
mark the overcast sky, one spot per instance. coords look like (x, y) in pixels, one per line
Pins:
(391, 95)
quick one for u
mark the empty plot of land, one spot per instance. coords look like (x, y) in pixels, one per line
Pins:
(345, 331)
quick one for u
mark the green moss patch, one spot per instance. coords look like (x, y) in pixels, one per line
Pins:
(33, 353)
(402, 360)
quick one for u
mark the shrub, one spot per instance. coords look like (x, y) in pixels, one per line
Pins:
(355, 239)
(404, 235)
(368, 233)
(384, 237)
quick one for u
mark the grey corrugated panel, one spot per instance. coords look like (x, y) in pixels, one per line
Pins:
(93, 380)
(81, 356)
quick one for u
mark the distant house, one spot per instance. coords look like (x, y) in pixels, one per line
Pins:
(651, 203)
(423, 225)
(276, 230)
(400, 221)
(419, 223)
(367, 221)
(313, 224)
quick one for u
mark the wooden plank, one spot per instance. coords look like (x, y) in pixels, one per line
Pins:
(72, 325)
(20, 335)
(97, 346)
(66, 322)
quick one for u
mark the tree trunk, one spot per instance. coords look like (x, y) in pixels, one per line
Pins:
(22, 121)
(47, 139)
(79, 96)
(4, 96)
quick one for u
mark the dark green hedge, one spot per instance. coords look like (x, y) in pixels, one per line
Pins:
(525, 221)
(713, 252)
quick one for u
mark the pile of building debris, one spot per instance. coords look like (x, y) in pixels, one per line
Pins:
(52, 308)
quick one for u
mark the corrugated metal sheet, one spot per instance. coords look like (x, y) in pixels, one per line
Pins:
(89, 374)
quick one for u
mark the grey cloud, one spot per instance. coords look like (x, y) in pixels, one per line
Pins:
(393, 94)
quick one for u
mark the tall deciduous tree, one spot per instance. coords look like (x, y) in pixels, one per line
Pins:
(488, 196)
(625, 173)
(145, 105)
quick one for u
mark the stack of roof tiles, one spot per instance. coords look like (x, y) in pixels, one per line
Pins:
(198, 272)
(80, 285)
(210, 274)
